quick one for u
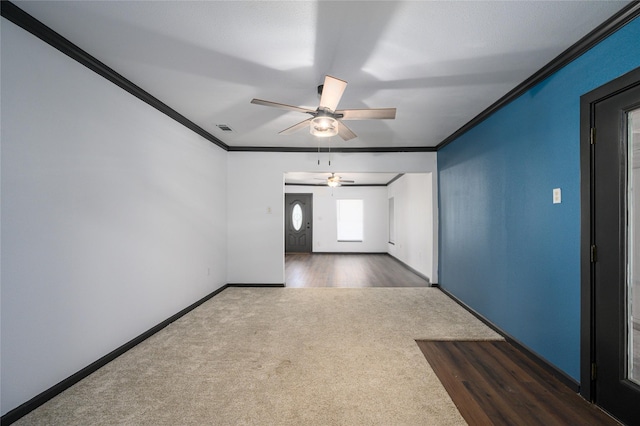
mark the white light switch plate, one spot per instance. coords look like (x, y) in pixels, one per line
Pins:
(557, 196)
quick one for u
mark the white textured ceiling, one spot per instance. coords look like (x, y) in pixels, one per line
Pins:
(440, 63)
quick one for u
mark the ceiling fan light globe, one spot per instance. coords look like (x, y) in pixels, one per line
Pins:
(324, 127)
(333, 183)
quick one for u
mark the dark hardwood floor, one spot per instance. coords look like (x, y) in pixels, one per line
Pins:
(348, 270)
(493, 383)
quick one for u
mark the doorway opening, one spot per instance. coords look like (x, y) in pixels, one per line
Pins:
(354, 218)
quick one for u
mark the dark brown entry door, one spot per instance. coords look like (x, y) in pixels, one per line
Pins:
(298, 222)
(615, 225)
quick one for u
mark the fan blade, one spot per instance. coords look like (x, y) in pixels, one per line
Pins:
(345, 133)
(332, 92)
(368, 114)
(296, 127)
(281, 106)
(347, 181)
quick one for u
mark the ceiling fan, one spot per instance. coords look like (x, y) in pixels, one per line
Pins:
(334, 180)
(326, 120)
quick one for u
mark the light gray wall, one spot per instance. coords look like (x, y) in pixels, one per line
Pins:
(325, 238)
(113, 217)
(256, 202)
(415, 243)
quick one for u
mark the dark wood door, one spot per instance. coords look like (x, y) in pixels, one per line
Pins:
(616, 384)
(298, 223)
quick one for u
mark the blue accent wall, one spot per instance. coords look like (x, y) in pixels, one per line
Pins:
(505, 249)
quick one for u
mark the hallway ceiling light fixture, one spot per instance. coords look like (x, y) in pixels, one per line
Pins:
(324, 127)
(334, 180)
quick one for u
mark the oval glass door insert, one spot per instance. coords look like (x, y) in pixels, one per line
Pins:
(296, 217)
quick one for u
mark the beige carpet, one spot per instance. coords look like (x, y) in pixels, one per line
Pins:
(280, 356)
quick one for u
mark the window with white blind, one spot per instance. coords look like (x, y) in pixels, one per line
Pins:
(350, 214)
